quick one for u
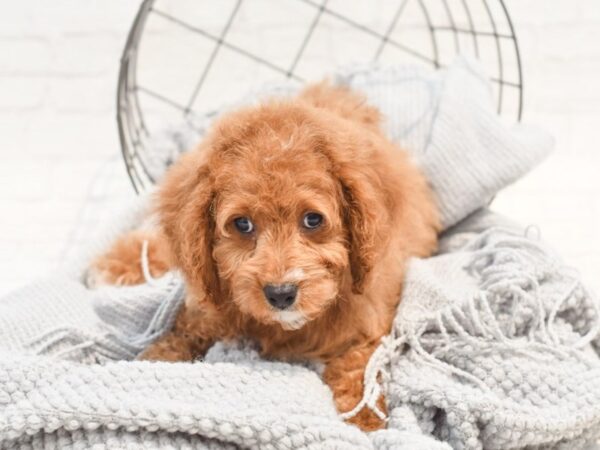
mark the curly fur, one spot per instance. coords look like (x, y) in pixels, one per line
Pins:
(322, 151)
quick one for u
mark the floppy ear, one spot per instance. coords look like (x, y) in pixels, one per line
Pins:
(186, 214)
(384, 193)
(365, 216)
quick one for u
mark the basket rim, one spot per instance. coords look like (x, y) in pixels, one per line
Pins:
(128, 105)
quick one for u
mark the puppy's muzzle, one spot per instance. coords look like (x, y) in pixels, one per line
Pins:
(280, 296)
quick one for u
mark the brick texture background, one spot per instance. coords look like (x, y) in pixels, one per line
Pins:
(58, 74)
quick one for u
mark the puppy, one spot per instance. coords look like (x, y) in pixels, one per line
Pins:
(292, 224)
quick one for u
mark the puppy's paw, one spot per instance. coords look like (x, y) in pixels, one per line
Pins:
(367, 420)
(345, 376)
(165, 351)
(122, 264)
(104, 272)
(174, 347)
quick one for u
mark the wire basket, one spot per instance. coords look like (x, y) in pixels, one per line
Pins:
(186, 58)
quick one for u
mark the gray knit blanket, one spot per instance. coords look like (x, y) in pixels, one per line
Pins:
(495, 343)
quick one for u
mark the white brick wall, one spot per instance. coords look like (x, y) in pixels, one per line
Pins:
(58, 74)
(560, 47)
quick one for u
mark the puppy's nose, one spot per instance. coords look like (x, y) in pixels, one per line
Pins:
(280, 295)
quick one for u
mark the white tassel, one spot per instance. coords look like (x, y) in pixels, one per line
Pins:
(146, 265)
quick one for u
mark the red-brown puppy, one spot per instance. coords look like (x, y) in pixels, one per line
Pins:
(292, 224)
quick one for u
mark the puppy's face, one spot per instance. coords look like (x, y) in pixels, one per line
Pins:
(285, 207)
(280, 241)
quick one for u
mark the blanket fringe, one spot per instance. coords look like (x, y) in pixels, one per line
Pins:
(511, 269)
(146, 265)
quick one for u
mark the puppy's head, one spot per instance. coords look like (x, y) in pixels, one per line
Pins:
(282, 209)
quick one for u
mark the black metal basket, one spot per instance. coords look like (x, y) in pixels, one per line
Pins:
(183, 57)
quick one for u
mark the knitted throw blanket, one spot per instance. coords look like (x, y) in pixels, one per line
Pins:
(494, 346)
(495, 343)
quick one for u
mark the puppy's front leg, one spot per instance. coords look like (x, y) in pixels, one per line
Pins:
(345, 375)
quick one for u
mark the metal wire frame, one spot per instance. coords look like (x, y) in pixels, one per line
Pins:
(130, 115)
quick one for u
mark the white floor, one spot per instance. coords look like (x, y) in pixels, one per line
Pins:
(58, 131)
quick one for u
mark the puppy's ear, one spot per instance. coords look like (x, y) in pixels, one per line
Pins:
(365, 219)
(186, 211)
(384, 193)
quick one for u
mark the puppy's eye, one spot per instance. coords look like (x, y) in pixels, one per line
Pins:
(244, 225)
(312, 221)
